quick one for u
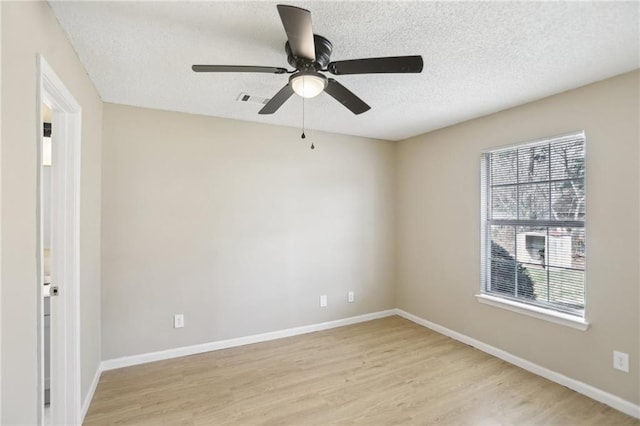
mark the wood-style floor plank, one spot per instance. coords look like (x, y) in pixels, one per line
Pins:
(384, 372)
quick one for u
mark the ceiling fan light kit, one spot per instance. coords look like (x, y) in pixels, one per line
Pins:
(310, 55)
(308, 84)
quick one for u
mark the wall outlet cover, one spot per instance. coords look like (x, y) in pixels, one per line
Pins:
(178, 321)
(323, 301)
(621, 361)
(351, 297)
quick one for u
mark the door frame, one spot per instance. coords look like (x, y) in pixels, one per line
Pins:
(65, 248)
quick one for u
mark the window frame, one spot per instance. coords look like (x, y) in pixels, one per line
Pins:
(565, 316)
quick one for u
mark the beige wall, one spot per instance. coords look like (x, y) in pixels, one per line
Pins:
(29, 28)
(439, 228)
(238, 226)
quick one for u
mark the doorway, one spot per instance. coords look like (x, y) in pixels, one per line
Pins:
(45, 196)
(59, 204)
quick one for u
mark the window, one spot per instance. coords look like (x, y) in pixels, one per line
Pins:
(533, 230)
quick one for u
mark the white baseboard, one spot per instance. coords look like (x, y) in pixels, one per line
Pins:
(127, 361)
(92, 391)
(609, 399)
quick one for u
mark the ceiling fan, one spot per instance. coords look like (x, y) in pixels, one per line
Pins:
(309, 54)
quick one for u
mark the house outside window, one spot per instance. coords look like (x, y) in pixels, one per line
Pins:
(533, 224)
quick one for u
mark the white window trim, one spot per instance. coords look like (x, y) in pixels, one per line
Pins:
(535, 311)
(550, 315)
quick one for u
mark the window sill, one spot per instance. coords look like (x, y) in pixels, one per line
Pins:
(534, 311)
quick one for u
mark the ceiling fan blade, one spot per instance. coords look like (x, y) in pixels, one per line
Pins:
(277, 101)
(237, 68)
(346, 97)
(391, 64)
(297, 25)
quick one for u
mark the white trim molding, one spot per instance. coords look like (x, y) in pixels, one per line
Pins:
(592, 392)
(92, 390)
(65, 242)
(534, 311)
(127, 361)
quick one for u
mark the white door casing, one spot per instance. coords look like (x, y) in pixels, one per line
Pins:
(65, 249)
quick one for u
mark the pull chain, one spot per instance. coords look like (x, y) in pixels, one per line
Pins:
(303, 136)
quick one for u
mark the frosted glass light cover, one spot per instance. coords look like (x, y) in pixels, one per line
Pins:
(308, 85)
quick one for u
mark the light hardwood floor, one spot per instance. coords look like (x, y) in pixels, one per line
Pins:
(382, 372)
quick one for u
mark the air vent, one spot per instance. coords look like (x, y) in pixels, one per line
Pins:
(245, 97)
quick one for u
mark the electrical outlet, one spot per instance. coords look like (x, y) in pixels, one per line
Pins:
(323, 301)
(621, 361)
(178, 321)
(351, 297)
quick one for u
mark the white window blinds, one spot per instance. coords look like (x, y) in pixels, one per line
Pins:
(533, 213)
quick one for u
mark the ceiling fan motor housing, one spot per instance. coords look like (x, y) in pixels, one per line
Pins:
(323, 49)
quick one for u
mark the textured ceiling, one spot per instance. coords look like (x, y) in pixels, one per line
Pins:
(479, 57)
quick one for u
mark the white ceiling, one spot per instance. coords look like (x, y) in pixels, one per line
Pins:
(479, 57)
